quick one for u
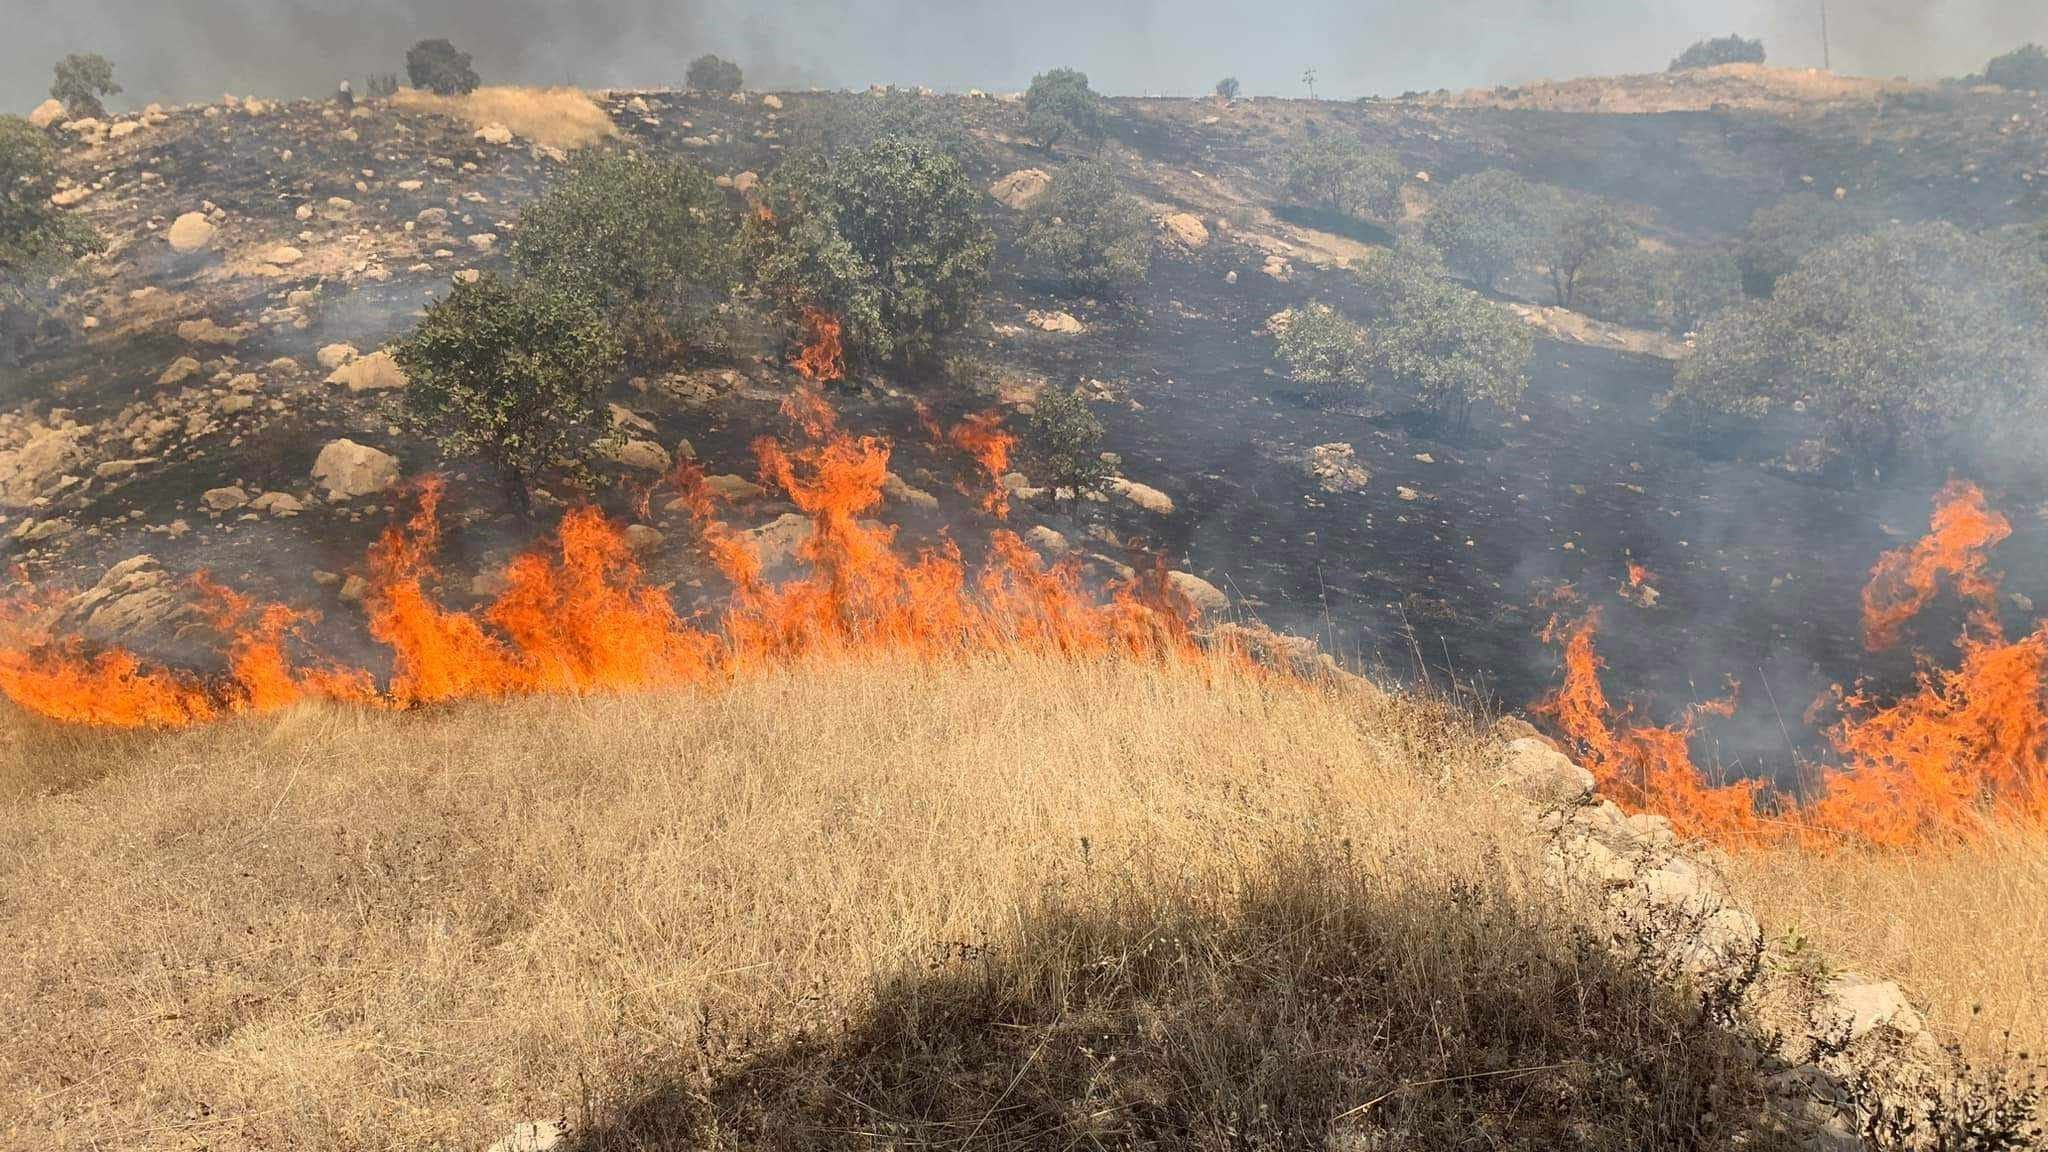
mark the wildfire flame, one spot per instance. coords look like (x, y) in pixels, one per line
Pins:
(982, 437)
(822, 357)
(577, 614)
(1957, 545)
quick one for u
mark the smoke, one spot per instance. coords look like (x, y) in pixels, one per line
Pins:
(186, 50)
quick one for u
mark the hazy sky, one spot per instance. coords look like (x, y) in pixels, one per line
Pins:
(182, 50)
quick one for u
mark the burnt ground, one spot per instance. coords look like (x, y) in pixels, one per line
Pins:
(1434, 569)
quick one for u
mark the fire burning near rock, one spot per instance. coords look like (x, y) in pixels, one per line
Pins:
(1965, 749)
(577, 614)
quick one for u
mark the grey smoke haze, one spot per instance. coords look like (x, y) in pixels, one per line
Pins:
(184, 50)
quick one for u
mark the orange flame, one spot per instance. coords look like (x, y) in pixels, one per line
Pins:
(822, 357)
(577, 614)
(1960, 537)
(982, 437)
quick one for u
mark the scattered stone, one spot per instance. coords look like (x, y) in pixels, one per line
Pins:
(332, 356)
(1022, 188)
(778, 543)
(133, 601)
(40, 464)
(1206, 598)
(180, 370)
(1336, 468)
(348, 470)
(354, 588)
(484, 241)
(903, 492)
(205, 331)
(224, 499)
(278, 504)
(1540, 773)
(115, 469)
(642, 539)
(76, 194)
(772, 101)
(626, 419)
(644, 455)
(1054, 322)
(280, 255)
(1143, 496)
(1186, 229)
(190, 233)
(733, 489)
(1050, 541)
(494, 134)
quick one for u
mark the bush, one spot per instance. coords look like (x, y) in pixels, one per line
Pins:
(512, 372)
(710, 73)
(1780, 235)
(1227, 88)
(36, 237)
(1915, 333)
(1583, 234)
(1060, 104)
(1444, 343)
(1675, 291)
(1087, 233)
(1488, 223)
(858, 120)
(1066, 435)
(1322, 348)
(1724, 50)
(1335, 173)
(2024, 68)
(648, 241)
(889, 239)
(81, 79)
(435, 66)
(380, 85)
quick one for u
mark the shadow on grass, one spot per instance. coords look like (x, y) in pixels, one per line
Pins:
(1319, 1008)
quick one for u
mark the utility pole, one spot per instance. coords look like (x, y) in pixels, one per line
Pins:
(1308, 77)
(1827, 61)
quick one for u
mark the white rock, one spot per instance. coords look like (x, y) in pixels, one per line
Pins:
(347, 469)
(645, 455)
(1186, 229)
(1538, 772)
(190, 232)
(28, 471)
(47, 113)
(1142, 495)
(772, 102)
(1206, 598)
(1022, 188)
(1865, 1006)
(332, 356)
(224, 499)
(377, 372)
(494, 134)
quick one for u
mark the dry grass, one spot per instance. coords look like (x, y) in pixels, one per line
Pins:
(558, 117)
(1963, 931)
(1004, 904)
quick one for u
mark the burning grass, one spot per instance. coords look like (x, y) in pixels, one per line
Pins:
(557, 117)
(1007, 901)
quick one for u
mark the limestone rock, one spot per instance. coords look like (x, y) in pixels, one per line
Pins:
(643, 538)
(1336, 468)
(134, 600)
(772, 102)
(180, 370)
(205, 331)
(224, 499)
(1022, 188)
(47, 113)
(30, 470)
(1863, 1006)
(1206, 598)
(1538, 772)
(377, 372)
(277, 504)
(190, 233)
(733, 489)
(1143, 496)
(1054, 322)
(332, 356)
(644, 455)
(1050, 541)
(1186, 229)
(778, 543)
(902, 491)
(347, 469)
(494, 134)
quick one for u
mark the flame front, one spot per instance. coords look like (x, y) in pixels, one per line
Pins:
(577, 615)
(823, 357)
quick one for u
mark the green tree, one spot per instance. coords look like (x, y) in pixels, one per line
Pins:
(1676, 290)
(1583, 234)
(36, 237)
(1912, 334)
(1335, 173)
(514, 373)
(889, 239)
(1322, 348)
(649, 241)
(1722, 50)
(1068, 437)
(1060, 104)
(435, 66)
(1780, 235)
(708, 73)
(81, 79)
(1488, 224)
(1227, 88)
(1087, 233)
(2024, 69)
(1448, 346)
(858, 120)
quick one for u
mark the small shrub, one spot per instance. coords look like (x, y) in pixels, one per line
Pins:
(1333, 172)
(514, 373)
(1913, 334)
(889, 239)
(1068, 437)
(1676, 291)
(1583, 234)
(1488, 223)
(1700, 283)
(380, 85)
(36, 237)
(1087, 233)
(2024, 68)
(1444, 343)
(1322, 348)
(81, 79)
(1780, 235)
(1227, 88)
(856, 121)
(435, 66)
(1722, 50)
(710, 73)
(648, 241)
(1059, 104)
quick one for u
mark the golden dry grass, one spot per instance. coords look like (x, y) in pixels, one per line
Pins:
(1964, 931)
(557, 117)
(1007, 903)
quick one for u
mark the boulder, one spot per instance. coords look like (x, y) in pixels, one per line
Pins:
(733, 489)
(1054, 322)
(1185, 229)
(1863, 1006)
(332, 356)
(224, 499)
(76, 194)
(205, 331)
(494, 134)
(347, 470)
(644, 455)
(484, 241)
(1050, 541)
(277, 504)
(180, 370)
(1535, 771)
(778, 543)
(1205, 598)
(190, 233)
(902, 491)
(47, 113)
(1336, 468)
(643, 538)
(30, 470)
(133, 601)
(772, 102)
(1143, 496)
(377, 372)
(280, 255)
(1022, 188)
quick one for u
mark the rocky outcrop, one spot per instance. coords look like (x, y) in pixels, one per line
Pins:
(1143, 496)
(1205, 598)
(37, 466)
(1185, 230)
(190, 233)
(377, 372)
(347, 470)
(47, 113)
(135, 601)
(1022, 188)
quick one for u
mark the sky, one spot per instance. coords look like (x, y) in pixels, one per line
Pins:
(187, 50)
